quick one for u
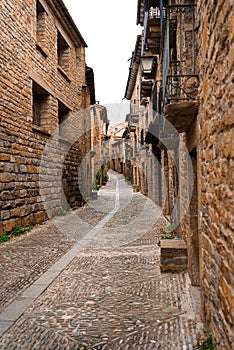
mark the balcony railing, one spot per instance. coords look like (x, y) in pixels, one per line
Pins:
(157, 13)
(153, 25)
(179, 78)
(133, 120)
(181, 88)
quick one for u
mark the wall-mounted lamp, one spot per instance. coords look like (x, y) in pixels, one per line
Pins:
(149, 63)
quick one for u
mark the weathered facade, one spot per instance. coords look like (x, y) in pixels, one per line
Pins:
(216, 166)
(141, 115)
(181, 86)
(99, 143)
(43, 83)
(119, 157)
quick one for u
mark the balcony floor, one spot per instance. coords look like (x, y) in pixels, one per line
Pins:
(181, 114)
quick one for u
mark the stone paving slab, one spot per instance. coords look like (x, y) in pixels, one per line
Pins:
(111, 297)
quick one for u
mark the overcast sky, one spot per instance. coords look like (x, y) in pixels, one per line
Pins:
(109, 29)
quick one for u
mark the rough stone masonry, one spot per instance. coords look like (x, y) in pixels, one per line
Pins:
(42, 83)
(215, 21)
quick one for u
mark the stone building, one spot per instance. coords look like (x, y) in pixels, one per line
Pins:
(118, 160)
(44, 82)
(99, 142)
(144, 155)
(181, 86)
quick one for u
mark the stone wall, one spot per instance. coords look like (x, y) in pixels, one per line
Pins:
(216, 118)
(187, 200)
(29, 67)
(205, 190)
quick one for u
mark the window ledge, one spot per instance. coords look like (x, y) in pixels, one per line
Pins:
(64, 74)
(41, 130)
(42, 50)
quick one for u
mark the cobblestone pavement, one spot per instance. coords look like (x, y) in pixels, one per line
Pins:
(24, 259)
(44, 245)
(112, 295)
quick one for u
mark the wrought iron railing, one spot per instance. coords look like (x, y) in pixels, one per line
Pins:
(166, 53)
(179, 78)
(150, 14)
(181, 88)
(156, 12)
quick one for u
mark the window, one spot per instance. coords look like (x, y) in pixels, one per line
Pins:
(41, 106)
(142, 137)
(63, 114)
(63, 53)
(41, 28)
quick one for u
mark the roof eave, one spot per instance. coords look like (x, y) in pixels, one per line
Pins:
(59, 6)
(140, 9)
(133, 70)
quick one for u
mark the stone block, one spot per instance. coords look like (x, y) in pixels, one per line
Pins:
(6, 195)
(9, 225)
(15, 212)
(5, 157)
(40, 217)
(28, 220)
(173, 255)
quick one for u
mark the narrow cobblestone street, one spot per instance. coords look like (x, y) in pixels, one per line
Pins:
(93, 278)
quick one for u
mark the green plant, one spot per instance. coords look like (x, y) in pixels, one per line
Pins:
(62, 212)
(170, 228)
(104, 166)
(168, 237)
(105, 178)
(82, 347)
(4, 238)
(98, 174)
(16, 231)
(128, 178)
(207, 344)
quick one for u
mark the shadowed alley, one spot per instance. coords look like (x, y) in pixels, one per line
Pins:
(103, 290)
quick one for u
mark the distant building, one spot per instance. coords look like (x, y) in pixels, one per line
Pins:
(44, 80)
(99, 142)
(118, 148)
